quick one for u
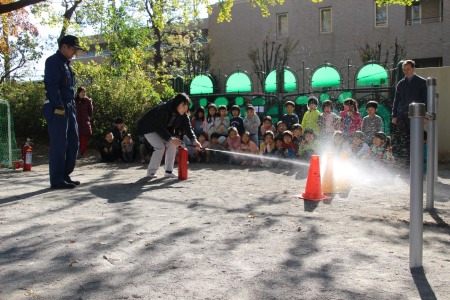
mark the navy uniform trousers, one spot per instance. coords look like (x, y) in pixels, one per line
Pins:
(63, 134)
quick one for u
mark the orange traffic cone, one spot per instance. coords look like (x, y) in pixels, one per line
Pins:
(328, 184)
(313, 189)
(343, 182)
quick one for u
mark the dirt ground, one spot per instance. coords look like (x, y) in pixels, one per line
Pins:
(228, 232)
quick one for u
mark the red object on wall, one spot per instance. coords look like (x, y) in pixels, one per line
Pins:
(183, 164)
(27, 156)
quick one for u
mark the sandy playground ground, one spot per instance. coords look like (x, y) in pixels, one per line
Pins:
(228, 232)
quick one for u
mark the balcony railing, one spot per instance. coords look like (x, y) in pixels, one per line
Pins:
(410, 22)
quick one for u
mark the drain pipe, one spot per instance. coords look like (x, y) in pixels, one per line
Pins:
(416, 115)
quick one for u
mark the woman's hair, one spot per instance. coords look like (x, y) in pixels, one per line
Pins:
(199, 110)
(81, 88)
(351, 102)
(179, 99)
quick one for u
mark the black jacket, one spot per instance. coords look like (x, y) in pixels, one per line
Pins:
(408, 92)
(165, 121)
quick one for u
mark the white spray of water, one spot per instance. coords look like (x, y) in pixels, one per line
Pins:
(263, 158)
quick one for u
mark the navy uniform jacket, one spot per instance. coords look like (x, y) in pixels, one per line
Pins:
(59, 81)
(165, 121)
(408, 92)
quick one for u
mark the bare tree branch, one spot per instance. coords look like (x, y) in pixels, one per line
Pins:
(6, 8)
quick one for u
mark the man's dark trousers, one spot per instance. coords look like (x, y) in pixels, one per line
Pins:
(63, 133)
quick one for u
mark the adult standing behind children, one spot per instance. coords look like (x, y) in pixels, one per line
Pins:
(412, 88)
(159, 126)
(84, 113)
(60, 114)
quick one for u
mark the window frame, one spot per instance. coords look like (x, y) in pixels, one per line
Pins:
(386, 22)
(280, 33)
(321, 15)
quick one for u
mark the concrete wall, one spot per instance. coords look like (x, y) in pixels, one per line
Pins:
(442, 76)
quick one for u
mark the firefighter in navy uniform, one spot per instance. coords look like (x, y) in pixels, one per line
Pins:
(60, 113)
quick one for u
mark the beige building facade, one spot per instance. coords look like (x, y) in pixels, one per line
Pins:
(332, 31)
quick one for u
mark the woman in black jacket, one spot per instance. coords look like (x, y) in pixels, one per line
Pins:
(159, 126)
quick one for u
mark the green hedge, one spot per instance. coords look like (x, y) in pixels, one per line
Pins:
(127, 96)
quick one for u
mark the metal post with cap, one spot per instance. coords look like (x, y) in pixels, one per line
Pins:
(416, 115)
(431, 144)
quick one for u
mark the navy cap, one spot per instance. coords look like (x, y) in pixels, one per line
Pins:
(70, 40)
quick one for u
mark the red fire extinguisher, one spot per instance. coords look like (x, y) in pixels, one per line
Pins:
(27, 155)
(182, 163)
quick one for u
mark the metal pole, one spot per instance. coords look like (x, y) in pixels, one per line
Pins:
(416, 115)
(431, 135)
(436, 142)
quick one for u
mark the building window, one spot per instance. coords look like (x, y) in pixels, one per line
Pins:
(326, 20)
(381, 15)
(428, 62)
(422, 12)
(415, 13)
(282, 25)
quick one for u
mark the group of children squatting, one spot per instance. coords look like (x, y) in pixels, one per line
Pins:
(225, 138)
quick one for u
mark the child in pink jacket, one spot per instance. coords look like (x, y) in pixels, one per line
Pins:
(249, 147)
(234, 144)
(350, 119)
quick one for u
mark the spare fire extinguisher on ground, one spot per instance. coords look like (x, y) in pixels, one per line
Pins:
(183, 163)
(27, 155)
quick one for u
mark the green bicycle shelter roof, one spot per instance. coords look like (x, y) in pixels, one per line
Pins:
(238, 82)
(290, 81)
(372, 75)
(201, 84)
(325, 77)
